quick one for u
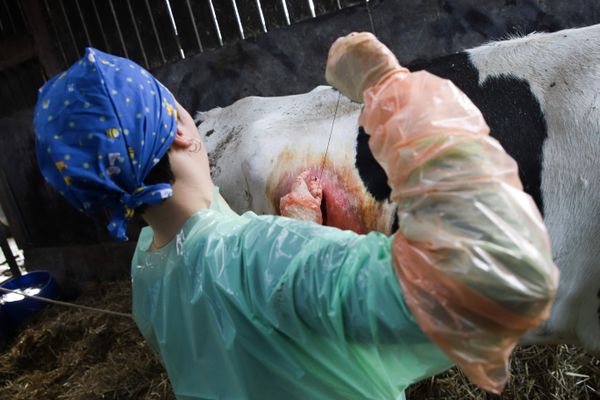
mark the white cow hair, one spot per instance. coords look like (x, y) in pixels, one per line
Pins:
(300, 123)
(563, 71)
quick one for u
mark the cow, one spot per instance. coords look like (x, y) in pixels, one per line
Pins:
(539, 94)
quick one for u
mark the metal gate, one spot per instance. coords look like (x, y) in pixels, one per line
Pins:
(39, 38)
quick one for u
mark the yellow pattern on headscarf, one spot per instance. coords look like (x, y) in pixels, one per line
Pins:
(169, 107)
(60, 165)
(112, 133)
(129, 212)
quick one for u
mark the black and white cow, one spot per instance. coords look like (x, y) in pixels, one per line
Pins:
(538, 93)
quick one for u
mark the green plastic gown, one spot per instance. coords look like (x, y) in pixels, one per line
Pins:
(263, 307)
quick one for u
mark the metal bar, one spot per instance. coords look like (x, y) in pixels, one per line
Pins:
(60, 46)
(85, 30)
(189, 7)
(238, 19)
(174, 25)
(285, 12)
(160, 49)
(311, 5)
(137, 34)
(62, 7)
(214, 16)
(112, 10)
(10, 18)
(38, 27)
(262, 17)
(106, 46)
(23, 17)
(8, 254)
(204, 23)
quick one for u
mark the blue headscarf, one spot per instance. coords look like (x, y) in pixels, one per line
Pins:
(100, 127)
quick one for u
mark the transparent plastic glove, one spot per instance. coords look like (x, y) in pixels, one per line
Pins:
(304, 201)
(358, 61)
(472, 253)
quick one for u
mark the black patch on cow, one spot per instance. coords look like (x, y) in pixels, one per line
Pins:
(371, 173)
(510, 109)
(395, 221)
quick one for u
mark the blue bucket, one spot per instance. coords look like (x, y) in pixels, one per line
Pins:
(17, 309)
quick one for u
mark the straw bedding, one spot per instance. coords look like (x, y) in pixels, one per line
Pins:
(69, 354)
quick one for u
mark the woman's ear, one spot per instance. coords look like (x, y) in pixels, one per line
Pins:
(181, 141)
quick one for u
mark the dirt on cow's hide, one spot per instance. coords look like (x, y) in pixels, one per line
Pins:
(69, 354)
(232, 138)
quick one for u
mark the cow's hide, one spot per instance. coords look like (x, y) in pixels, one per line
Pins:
(538, 93)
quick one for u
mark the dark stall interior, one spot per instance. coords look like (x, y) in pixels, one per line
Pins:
(209, 53)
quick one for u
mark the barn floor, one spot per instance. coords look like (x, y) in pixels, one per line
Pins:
(69, 354)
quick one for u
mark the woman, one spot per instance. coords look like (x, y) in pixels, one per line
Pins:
(267, 307)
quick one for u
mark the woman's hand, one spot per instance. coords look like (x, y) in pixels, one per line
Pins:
(304, 200)
(358, 61)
